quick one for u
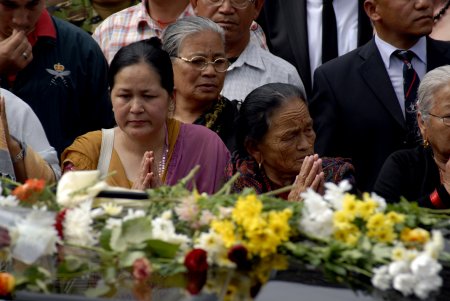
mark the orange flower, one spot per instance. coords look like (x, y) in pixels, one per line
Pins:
(7, 284)
(28, 191)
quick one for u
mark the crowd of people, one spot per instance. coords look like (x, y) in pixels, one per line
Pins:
(287, 93)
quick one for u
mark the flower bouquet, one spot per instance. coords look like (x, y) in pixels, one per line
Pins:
(222, 244)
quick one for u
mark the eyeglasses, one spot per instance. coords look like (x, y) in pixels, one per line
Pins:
(445, 119)
(239, 4)
(220, 64)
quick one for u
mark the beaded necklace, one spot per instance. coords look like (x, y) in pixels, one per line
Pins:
(162, 163)
(441, 12)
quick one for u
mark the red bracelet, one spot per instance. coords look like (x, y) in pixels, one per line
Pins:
(436, 200)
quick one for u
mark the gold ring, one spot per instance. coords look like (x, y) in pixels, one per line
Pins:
(25, 55)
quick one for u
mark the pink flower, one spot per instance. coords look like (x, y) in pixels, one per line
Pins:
(188, 209)
(142, 269)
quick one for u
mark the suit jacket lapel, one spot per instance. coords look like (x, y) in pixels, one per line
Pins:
(295, 13)
(375, 75)
(365, 29)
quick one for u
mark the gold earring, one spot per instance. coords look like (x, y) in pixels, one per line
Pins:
(426, 143)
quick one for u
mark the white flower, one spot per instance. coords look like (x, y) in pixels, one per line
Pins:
(334, 194)
(212, 243)
(164, 230)
(167, 215)
(111, 209)
(36, 237)
(40, 207)
(398, 267)
(425, 286)
(78, 226)
(317, 216)
(380, 201)
(381, 278)
(206, 217)
(404, 283)
(132, 214)
(425, 266)
(435, 245)
(113, 222)
(75, 187)
(9, 201)
(225, 212)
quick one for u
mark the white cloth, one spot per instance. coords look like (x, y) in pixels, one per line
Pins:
(346, 12)
(394, 66)
(254, 68)
(25, 126)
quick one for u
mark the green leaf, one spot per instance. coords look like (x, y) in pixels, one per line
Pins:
(162, 249)
(105, 239)
(137, 230)
(127, 259)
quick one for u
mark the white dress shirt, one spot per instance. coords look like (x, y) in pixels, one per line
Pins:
(346, 12)
(394, 65)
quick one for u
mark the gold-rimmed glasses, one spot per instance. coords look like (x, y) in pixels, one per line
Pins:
(220, 64)
(239, 4)
(445, 119)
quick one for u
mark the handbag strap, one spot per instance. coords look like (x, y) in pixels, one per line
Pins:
(105, 151)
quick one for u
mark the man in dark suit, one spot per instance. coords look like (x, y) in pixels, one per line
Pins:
(285, 23)
(358, 102)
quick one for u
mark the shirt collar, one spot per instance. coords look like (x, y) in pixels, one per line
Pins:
(386, 50)
(248, 57)
(143, 17)
(44, 28)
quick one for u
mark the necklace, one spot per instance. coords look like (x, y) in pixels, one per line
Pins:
(162, 163)
(441, 12)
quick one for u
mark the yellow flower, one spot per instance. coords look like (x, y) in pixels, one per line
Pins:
(385, 234)
(246, 207)
(262, 242)
(279, 223)
(366, 208)
(349, 205)
(416, 235)
(226, 230)
(341, 219)
(395, 217)
(348, 234)
(375, 221)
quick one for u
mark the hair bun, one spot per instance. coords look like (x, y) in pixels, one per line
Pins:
(155, 42)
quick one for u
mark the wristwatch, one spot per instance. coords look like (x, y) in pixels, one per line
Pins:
(21, 155)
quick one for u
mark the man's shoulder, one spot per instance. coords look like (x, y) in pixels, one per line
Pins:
(272, 61)
(122, 17)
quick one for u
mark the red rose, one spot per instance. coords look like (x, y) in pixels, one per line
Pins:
(7, 284)
(196, 261)
(59, 220)
(142, 269)
(239, 255)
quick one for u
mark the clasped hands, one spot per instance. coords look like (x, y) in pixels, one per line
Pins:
(148, 176)
(310, 176)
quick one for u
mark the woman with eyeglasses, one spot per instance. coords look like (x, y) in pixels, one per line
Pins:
(147, 148)
(196, 46)
(422, 174)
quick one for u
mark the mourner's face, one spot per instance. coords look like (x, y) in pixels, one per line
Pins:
(21, 15)
(402, 19)
(139, 101)
(234, 21)
(438, 133)
(191, 83)
(289, 139)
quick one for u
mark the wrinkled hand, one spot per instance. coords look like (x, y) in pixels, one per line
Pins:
(12, 50)
(148, 176)
(310, 176)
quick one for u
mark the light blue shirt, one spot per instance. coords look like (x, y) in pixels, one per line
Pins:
(394, 66)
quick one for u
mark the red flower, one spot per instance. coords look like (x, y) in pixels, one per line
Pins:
(28, 191)
(142, 269)
(59, 220)
(7, 284)
(196, 281)
(195, 261)
(239, 255)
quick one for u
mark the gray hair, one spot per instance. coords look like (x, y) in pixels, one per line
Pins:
(430, 84)
(174, 35)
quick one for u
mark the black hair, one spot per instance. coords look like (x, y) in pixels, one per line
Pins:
(257, 109)
(148, 51)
